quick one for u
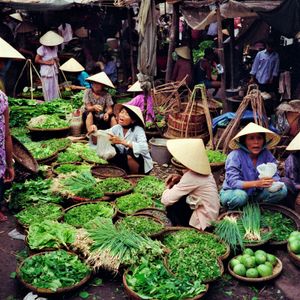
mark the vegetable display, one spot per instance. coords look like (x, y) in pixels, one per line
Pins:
(294, 242)
(215, 156)
(150, 186)
(53, 270)
(50, 234)
(48, 122)
(151, 280)
(90, 155)
(114, 185)
(67, 168)
(131, 203)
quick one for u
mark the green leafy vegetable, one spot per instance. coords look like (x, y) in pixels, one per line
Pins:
(150, 186)
(131, 203)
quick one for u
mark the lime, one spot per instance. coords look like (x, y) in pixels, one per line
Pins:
(260, 258)
(252, 273)
(249, 262)
(267, 263)
(234, 262)
(248, 251)
(260, 252)
(272, 259)
(239, 270)
(244, 257)
(295, 246)
(292, 239)
(239, 257)
(264, 270)
(295, 234)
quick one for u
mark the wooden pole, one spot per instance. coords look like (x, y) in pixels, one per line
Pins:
(173, 38)
(129, 18)
(231, 34)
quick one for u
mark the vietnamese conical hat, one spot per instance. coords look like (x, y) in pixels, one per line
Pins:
(17, 17)
(136, 87)
(72, 65)
(101, 78)
(51, 38)
(191, 153)
(272, 138)
(7, 51)
(183, 52)
(136, 110)
(294, 144)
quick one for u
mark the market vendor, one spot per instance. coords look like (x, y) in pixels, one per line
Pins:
(98, 103)
(129, 140)
(242, 183)
(191, 199)
(48, 59)
(77, 70)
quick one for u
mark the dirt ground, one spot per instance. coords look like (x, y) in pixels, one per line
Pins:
(286, 286)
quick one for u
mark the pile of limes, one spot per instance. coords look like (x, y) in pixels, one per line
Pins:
(253, 264)
(294, 242)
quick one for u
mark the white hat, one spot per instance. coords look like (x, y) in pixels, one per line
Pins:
(101, 78)
(136, 110)
(191, 153)
(183, 52)
(72, 65)
(7, 51)
(136, 87)
(17, 17)
(294, 144)
(272, 139)
(51, 38)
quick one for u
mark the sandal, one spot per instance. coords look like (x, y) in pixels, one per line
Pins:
(3, 218)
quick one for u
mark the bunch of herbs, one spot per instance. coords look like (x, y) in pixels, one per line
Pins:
(131, 203)
(150, 186)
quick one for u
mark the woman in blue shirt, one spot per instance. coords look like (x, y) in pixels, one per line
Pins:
(250, 149)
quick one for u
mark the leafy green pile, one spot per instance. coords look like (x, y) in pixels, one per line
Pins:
(199, 53)
(90, 155)
(72, 154)
(31, 192)
(53, 270)
(131, 203)
(67, 168)
(50, 234)
(114, 185)
(77, 100)
(39, 213)
(21, 133)
(282, 226)
(150, 186)
(151, 280)
(48, 122)
(140, 224)
(82, 214)
(215, 156)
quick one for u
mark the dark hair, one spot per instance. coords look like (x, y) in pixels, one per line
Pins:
(134, 117)
(242, 139)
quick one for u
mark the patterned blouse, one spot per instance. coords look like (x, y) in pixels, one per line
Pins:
(3, 107)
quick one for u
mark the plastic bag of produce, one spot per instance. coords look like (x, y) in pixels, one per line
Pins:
(104, 148)
(269, 170)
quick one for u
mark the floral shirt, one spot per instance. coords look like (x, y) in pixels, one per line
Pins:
(3, 107)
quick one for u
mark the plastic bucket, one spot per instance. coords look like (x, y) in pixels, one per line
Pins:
(159, 151)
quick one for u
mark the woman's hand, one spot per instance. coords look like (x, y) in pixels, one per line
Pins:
(117, 140)
(93, 128)
(106, 117)
(97, 108)
(264, 182)
(172, 180)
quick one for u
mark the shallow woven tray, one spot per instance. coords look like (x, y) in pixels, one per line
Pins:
(49, 159)
(134, 178)
(276, 271)
(107, 171)
(156, 213)
(121, 193)
(295, 259)
(48, 291)
(48, 129)
(80, 200)
(133, 295)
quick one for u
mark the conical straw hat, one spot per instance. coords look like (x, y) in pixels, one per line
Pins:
(191, 153)
(294, 144)
(136, 110)
(101, 78)
(272, 138)
(72, 65)
(183, 52)
(51, 38)
(136, 87)
(7, 51)
(17, 17)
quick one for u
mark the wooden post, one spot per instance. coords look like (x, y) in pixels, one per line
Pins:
(129, 18)
(231, 34)
(173, 38)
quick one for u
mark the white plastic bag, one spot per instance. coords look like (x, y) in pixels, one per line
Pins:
(104, 148)
(269, 170)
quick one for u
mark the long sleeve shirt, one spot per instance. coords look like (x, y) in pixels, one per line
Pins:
(292, 168)
(239, 168)
(265, 66)
(196, 186)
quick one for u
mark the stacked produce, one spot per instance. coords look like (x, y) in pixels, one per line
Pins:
(48, 122)
(294, 243)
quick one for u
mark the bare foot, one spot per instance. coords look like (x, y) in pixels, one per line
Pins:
(3, 218)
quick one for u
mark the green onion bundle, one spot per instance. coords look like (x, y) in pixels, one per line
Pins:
(251, 222)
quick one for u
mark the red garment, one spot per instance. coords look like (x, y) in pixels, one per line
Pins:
(182, 68)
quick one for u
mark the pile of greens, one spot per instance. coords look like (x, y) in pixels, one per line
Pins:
(199, 53)
(50, 234)
(67, 168)
(150, 186)
(21, 133)
(129, 204)
(215, 156)
(114, 185)
(48, 122)
(31, 192)
(82, 214)
(53, 270)
(90, 155)
(39, 213)
(72, 154)
(151, 280)
(140, 224)
(77, 100)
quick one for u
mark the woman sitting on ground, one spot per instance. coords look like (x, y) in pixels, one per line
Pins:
(191, 199)
(129, 139)
(242, 181)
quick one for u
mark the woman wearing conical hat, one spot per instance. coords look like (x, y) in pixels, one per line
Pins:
(47, 58)
(242, 183)
(191, 199)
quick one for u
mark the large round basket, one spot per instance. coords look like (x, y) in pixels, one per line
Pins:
(287, 213)
(121, 193)
(133, 295)
(133, 179)
(56, 165)
(295, 259)
(45, 134)
(80, 200)
(106, 171)
(48, 159)
(156, 213)
(217, 166)
(48, 291)
(276, 271)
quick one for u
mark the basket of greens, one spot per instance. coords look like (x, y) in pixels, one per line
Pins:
(115, 186)
(63, 168)
(156, 213)
(150, 186)
(131, 203)
(216, 159)
(53, 272)
(48, 123)
(90, 156)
